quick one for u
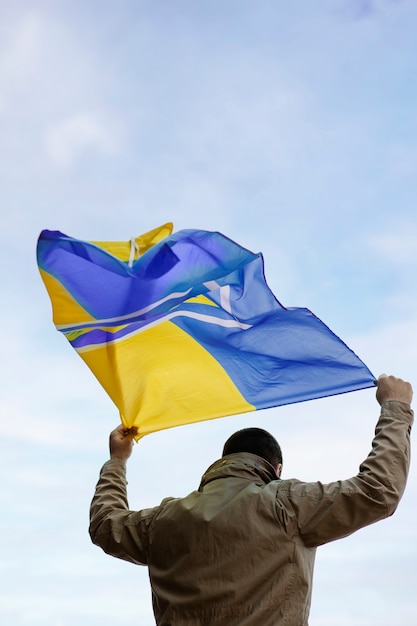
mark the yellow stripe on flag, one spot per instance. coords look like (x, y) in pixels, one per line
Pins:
(66, 309)
(138, 371)
(121, 249)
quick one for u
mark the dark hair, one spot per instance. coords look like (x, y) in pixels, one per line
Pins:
(257, 441)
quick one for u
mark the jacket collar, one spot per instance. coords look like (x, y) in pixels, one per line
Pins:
(243, 465)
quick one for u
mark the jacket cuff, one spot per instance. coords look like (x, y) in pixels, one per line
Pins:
(394, 408)
(115, 464)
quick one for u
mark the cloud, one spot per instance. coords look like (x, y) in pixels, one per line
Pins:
(363, 9)
(20, 56)
(390, 348)
(52, 91)
(396, 248)
(82, 134)
(394, 252)
(48, 392)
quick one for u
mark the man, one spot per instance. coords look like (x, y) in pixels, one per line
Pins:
(240, 550)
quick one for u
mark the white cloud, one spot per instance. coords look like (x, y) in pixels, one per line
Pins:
(83, 134)
(20, 56)
(44, 387)
(398, 248)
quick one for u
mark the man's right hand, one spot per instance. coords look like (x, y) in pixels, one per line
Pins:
(121, 442)
(391, 388)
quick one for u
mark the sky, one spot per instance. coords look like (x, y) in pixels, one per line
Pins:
(288, 126)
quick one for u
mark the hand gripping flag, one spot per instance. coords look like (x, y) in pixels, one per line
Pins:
(182, 327)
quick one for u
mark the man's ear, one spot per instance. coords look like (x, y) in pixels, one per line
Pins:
(278, 470)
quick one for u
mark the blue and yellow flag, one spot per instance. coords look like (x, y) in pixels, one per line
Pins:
(182, 327)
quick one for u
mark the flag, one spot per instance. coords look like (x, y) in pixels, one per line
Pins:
(182, 327)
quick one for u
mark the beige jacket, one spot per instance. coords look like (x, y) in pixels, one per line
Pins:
(240, 550)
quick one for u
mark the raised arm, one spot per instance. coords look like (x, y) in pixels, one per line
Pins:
(117, 530)
(326, 512)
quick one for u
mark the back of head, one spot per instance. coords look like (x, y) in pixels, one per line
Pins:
(256, 441)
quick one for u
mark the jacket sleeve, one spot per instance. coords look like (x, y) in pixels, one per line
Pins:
(117, 530)
(325, 512)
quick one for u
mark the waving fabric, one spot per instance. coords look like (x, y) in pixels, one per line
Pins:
(182, 327)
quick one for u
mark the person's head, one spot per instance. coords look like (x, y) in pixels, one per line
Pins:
(256, 441)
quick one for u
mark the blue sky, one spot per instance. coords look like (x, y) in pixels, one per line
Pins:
(291, 128)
